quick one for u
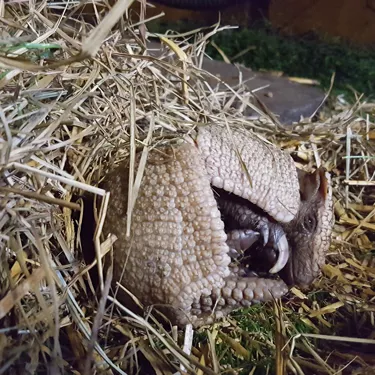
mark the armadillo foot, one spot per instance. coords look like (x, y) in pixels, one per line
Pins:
(239, 240)
(245, 224)
(274, 237)
(271, 258)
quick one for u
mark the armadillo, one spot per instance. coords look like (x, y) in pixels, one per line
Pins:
(177, 257)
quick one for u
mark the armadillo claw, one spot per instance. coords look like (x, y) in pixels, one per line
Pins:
(265, 232)
(283, 254)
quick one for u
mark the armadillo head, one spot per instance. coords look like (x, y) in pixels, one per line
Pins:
(309, 233)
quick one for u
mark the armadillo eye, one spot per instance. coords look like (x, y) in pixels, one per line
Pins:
(309, 224)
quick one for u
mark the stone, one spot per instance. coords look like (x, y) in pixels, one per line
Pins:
(286, 99)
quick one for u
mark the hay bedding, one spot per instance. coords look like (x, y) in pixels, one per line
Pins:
(63, 124)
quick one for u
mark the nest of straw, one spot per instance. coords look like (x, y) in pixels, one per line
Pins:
(75, 99)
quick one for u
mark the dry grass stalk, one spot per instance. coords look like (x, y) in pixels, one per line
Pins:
(65, 117)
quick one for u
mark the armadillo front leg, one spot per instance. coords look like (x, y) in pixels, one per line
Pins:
(236, 214)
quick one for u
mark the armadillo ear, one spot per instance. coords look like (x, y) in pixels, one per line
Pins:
(312, 183)
(323, 186)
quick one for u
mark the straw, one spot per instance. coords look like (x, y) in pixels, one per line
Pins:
(76, 100)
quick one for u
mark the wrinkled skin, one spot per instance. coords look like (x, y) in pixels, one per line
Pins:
(177, 256)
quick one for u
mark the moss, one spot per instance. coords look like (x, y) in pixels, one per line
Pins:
(256, 331)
